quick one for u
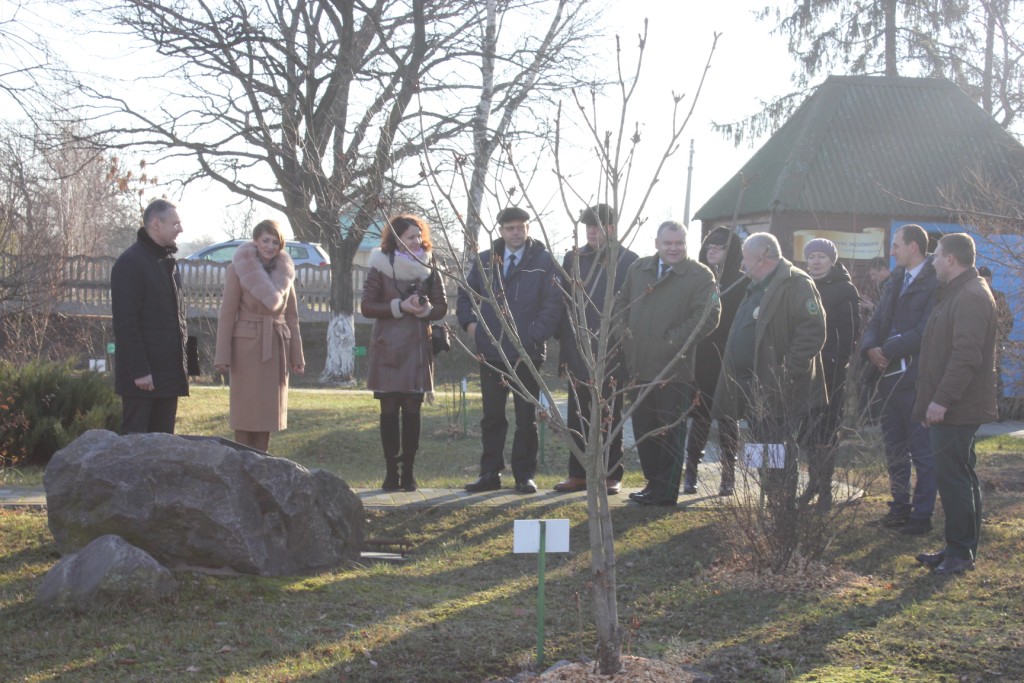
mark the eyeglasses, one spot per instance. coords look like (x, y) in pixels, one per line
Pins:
(716, 247)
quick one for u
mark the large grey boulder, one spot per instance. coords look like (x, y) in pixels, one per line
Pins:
(108, 571)
(201, 504)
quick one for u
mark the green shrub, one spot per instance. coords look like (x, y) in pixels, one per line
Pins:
(47, 405)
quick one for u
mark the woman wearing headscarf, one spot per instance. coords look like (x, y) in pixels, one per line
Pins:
(258, 340)
(722, 253)
(403, 293)
(841, 303)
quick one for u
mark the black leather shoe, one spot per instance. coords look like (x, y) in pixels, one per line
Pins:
(931, 560)
(726, 490)
(954, 565)
(645, 491)
(689, 490)
(488, 481)
(526, 486)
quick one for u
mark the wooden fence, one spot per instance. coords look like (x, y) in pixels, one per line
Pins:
(80, 285)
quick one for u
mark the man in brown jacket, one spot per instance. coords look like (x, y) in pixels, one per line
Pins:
(956, 393)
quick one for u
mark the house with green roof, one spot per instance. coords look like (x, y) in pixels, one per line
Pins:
(864, 155)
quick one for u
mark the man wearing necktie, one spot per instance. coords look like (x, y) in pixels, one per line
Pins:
(513, 290)
(891, 343)
(668, 303)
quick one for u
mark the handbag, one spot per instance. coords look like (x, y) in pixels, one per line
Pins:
(439, 340)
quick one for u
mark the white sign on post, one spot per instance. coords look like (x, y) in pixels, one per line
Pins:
(526, 536)
(769, 455)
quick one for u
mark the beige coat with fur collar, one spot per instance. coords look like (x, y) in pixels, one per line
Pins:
(258, 337)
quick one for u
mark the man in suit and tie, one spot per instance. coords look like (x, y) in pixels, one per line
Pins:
(890, 344)
(512, 291)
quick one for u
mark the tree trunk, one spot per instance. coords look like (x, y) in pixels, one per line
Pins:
(602, 568)
(482, 145)
(341, 340)
(891, 64)
(340, 363)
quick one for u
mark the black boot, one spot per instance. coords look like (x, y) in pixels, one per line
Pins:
(410, 444)
(690, 483)
(389, 439)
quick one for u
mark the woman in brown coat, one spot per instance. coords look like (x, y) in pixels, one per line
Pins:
(403, 293)
(258, 337)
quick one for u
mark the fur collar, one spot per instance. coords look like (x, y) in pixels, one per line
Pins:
(405, 269)
(270, 289)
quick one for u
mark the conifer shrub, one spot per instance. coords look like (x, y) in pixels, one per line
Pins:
(44, 406)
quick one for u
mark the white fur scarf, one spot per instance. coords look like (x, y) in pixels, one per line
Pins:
(270, 289)
(404, 269)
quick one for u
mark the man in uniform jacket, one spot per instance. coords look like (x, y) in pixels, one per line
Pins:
(956, 393)
(667, 305)
(891, 343)
(588, 268)
(150, 359)
(772, 372)
(518, 277)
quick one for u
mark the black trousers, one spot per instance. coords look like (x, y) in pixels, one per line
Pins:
(660, 449)
(143, 414)
(578, 415)
(494, 425)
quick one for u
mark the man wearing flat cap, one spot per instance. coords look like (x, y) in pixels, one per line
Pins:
(512, 289)
(589, 267)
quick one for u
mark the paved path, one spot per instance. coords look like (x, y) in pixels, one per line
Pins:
(35, 497)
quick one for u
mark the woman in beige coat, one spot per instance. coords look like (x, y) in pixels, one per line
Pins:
(258, 337)
(402, 294)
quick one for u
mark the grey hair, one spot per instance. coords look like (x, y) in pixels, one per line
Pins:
(673, 226)
(764, 241)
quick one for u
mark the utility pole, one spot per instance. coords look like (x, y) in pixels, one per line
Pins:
(689, 179)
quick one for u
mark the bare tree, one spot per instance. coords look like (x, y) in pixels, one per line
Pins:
(613, 150)
(305, 108)
(536, 67)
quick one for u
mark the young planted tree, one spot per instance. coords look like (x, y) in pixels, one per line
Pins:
(613, 150)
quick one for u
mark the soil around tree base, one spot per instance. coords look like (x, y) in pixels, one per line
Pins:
(634, 670)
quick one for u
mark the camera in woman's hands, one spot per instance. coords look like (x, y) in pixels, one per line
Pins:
(415, 290)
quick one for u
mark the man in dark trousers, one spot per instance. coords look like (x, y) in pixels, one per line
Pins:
(513, 285)
(588, 270)
(668, 304)
(891, 343)
(956, 393)
(150, 359)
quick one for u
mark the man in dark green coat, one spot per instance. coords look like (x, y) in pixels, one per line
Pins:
(772, 373)
(668, 303)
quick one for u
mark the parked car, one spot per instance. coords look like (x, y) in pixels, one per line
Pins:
(302, 253)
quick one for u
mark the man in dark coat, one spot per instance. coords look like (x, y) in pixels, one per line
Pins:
(150, 360)
(771, 372)
(512, 285)
(891, 344)
(667, 305)
(588, 288)
(722, 253)
(956, 393)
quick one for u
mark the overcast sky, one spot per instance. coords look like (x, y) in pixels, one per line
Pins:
(748, 67)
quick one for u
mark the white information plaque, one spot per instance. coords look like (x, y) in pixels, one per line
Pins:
(526, 536)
